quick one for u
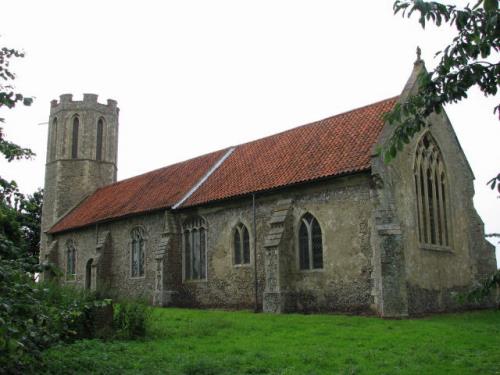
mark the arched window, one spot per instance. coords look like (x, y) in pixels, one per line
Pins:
(74, 138)
(310, 243)
(195, 245)
(137, 252)
(53, 149)
(430, 185)
(241, 244)
(70, 259)
(99, 144)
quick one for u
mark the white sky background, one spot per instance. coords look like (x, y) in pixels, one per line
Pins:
(192, 77)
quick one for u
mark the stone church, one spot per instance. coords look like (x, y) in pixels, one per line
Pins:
(310, 219)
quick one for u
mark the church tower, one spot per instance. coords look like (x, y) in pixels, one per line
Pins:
(81, 154)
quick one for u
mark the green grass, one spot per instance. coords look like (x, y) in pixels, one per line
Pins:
(198, 342)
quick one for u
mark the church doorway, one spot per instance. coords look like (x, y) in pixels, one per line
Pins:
(88, 274)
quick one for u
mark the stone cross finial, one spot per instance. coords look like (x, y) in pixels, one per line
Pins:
(419, 53)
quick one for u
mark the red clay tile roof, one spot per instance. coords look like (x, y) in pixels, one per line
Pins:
(153, 190)
(330, 147)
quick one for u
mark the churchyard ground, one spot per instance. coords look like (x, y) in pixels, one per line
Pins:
(206, 342)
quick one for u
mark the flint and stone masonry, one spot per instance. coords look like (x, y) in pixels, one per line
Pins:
(372, 259)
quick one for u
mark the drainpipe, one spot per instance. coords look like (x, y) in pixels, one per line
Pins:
(256, 282)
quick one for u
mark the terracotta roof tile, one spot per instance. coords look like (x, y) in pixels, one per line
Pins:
(150, 191)
(333, 146)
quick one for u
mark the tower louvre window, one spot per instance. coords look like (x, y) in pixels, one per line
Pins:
(430, 186)
(310, 243)
(99, 143)
(74, 138)
(53, 149)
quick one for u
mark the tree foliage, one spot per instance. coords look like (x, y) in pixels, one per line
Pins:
(471, 59)
(32, 315)
(9, 98)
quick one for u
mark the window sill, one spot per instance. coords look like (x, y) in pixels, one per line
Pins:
(71, 278)
(436, 248)
(196, 281)
(315, 270)
(243, 265)
(137, 277)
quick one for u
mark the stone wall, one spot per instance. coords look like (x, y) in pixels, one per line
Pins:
(341, 206)
(420, 278)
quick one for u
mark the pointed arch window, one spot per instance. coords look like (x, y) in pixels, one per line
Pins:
(431, 191)
(53, 149)
(310, 243)
(137, 252)
(195, 245)
(70, 259)
(241, 245)
(99, 136)
(74, 137)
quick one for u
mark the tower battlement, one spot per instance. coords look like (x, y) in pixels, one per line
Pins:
(89, 102)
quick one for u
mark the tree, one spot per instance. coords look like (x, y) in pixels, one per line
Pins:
(467, 61)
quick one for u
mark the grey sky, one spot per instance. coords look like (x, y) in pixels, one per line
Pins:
(191, 77)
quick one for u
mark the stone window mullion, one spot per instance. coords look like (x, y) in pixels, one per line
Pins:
(435, 202)
(310, 244)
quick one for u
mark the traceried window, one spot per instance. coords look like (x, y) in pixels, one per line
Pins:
(70, 259)
(195, 245)
(430, 185)
(310, 243)
(74, 138)
(137, 253)
(99, 143)
(241, 245)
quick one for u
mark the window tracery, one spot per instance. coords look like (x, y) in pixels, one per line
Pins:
(241, 245)
(310, 243)
(431, 194)
(195, 244)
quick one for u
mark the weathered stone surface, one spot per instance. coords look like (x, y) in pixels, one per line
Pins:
(373, 261)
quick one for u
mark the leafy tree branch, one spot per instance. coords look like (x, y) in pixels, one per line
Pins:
(471, 59)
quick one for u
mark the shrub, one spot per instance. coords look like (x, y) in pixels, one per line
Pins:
(131, 319)
(34, 316)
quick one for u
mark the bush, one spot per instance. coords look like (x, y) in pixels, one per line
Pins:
(131, 319)
(33, 315)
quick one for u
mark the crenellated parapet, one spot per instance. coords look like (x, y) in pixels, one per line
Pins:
(89, 102)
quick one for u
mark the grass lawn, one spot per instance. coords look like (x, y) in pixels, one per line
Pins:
(219, 342)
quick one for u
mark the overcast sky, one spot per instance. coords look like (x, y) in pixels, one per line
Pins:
(192, 77)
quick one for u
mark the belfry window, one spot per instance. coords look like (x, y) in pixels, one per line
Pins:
(241, 245)
(137, 253)
(70, 259)
(310, 243)
(99, 144)
(74, 138)
(53, 149)
(431, 191)
(195, 245)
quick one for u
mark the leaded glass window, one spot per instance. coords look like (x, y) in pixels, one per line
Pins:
(241, 245)
(310, 243)
(195, 244)
(137, 253)
(430, 186)
(99, 143)
(74, 138)
(70, 259)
